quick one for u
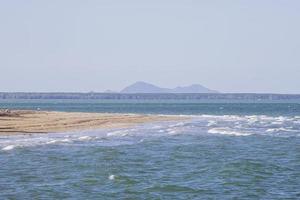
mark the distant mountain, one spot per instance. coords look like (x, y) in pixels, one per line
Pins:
(195, 88)
(143, 87)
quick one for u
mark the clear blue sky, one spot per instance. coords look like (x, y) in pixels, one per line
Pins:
(230, 46)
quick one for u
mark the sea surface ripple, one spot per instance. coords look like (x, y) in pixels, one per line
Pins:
(229, 155)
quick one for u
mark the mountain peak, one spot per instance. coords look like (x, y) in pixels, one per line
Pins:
(139, 83)
(143, 87)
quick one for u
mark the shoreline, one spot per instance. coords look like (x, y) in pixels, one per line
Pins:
(27, 122)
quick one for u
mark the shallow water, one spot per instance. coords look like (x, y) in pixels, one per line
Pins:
(209, 156)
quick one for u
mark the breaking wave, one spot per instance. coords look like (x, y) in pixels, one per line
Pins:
(227, 131)
(223, 125)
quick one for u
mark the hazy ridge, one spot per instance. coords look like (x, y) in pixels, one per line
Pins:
(143, 87)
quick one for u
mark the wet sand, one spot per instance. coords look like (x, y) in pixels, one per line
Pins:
(13, 122)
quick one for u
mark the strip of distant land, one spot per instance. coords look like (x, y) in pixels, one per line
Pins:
(14, 122)
(149, 96)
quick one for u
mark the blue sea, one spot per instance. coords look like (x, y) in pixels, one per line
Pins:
(223, 150)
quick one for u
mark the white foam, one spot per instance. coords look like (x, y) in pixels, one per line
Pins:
(85, 138)
(211, 123)
(252, 119)
(8, 148)
(51, 142)
(172, 132)
(281, 119)
(156, 127)
(227, 131)
(111, 177)
(277, 122)
(238, 126)
(118, 133)
(272, 130)
(65, 140)
(222, 117)
(177, 125)
(114, 133)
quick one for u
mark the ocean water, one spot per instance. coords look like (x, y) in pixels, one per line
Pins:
(222, 151)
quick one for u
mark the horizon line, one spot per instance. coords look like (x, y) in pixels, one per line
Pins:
(93, 92)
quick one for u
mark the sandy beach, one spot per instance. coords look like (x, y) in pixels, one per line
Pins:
(13, 122)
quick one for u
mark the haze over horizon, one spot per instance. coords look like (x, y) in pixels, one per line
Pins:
(82, 46)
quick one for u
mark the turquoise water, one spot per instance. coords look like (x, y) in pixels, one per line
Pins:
(224, 151)
(159, 107)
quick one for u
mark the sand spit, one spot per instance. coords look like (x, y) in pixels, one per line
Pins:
(14, 122)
